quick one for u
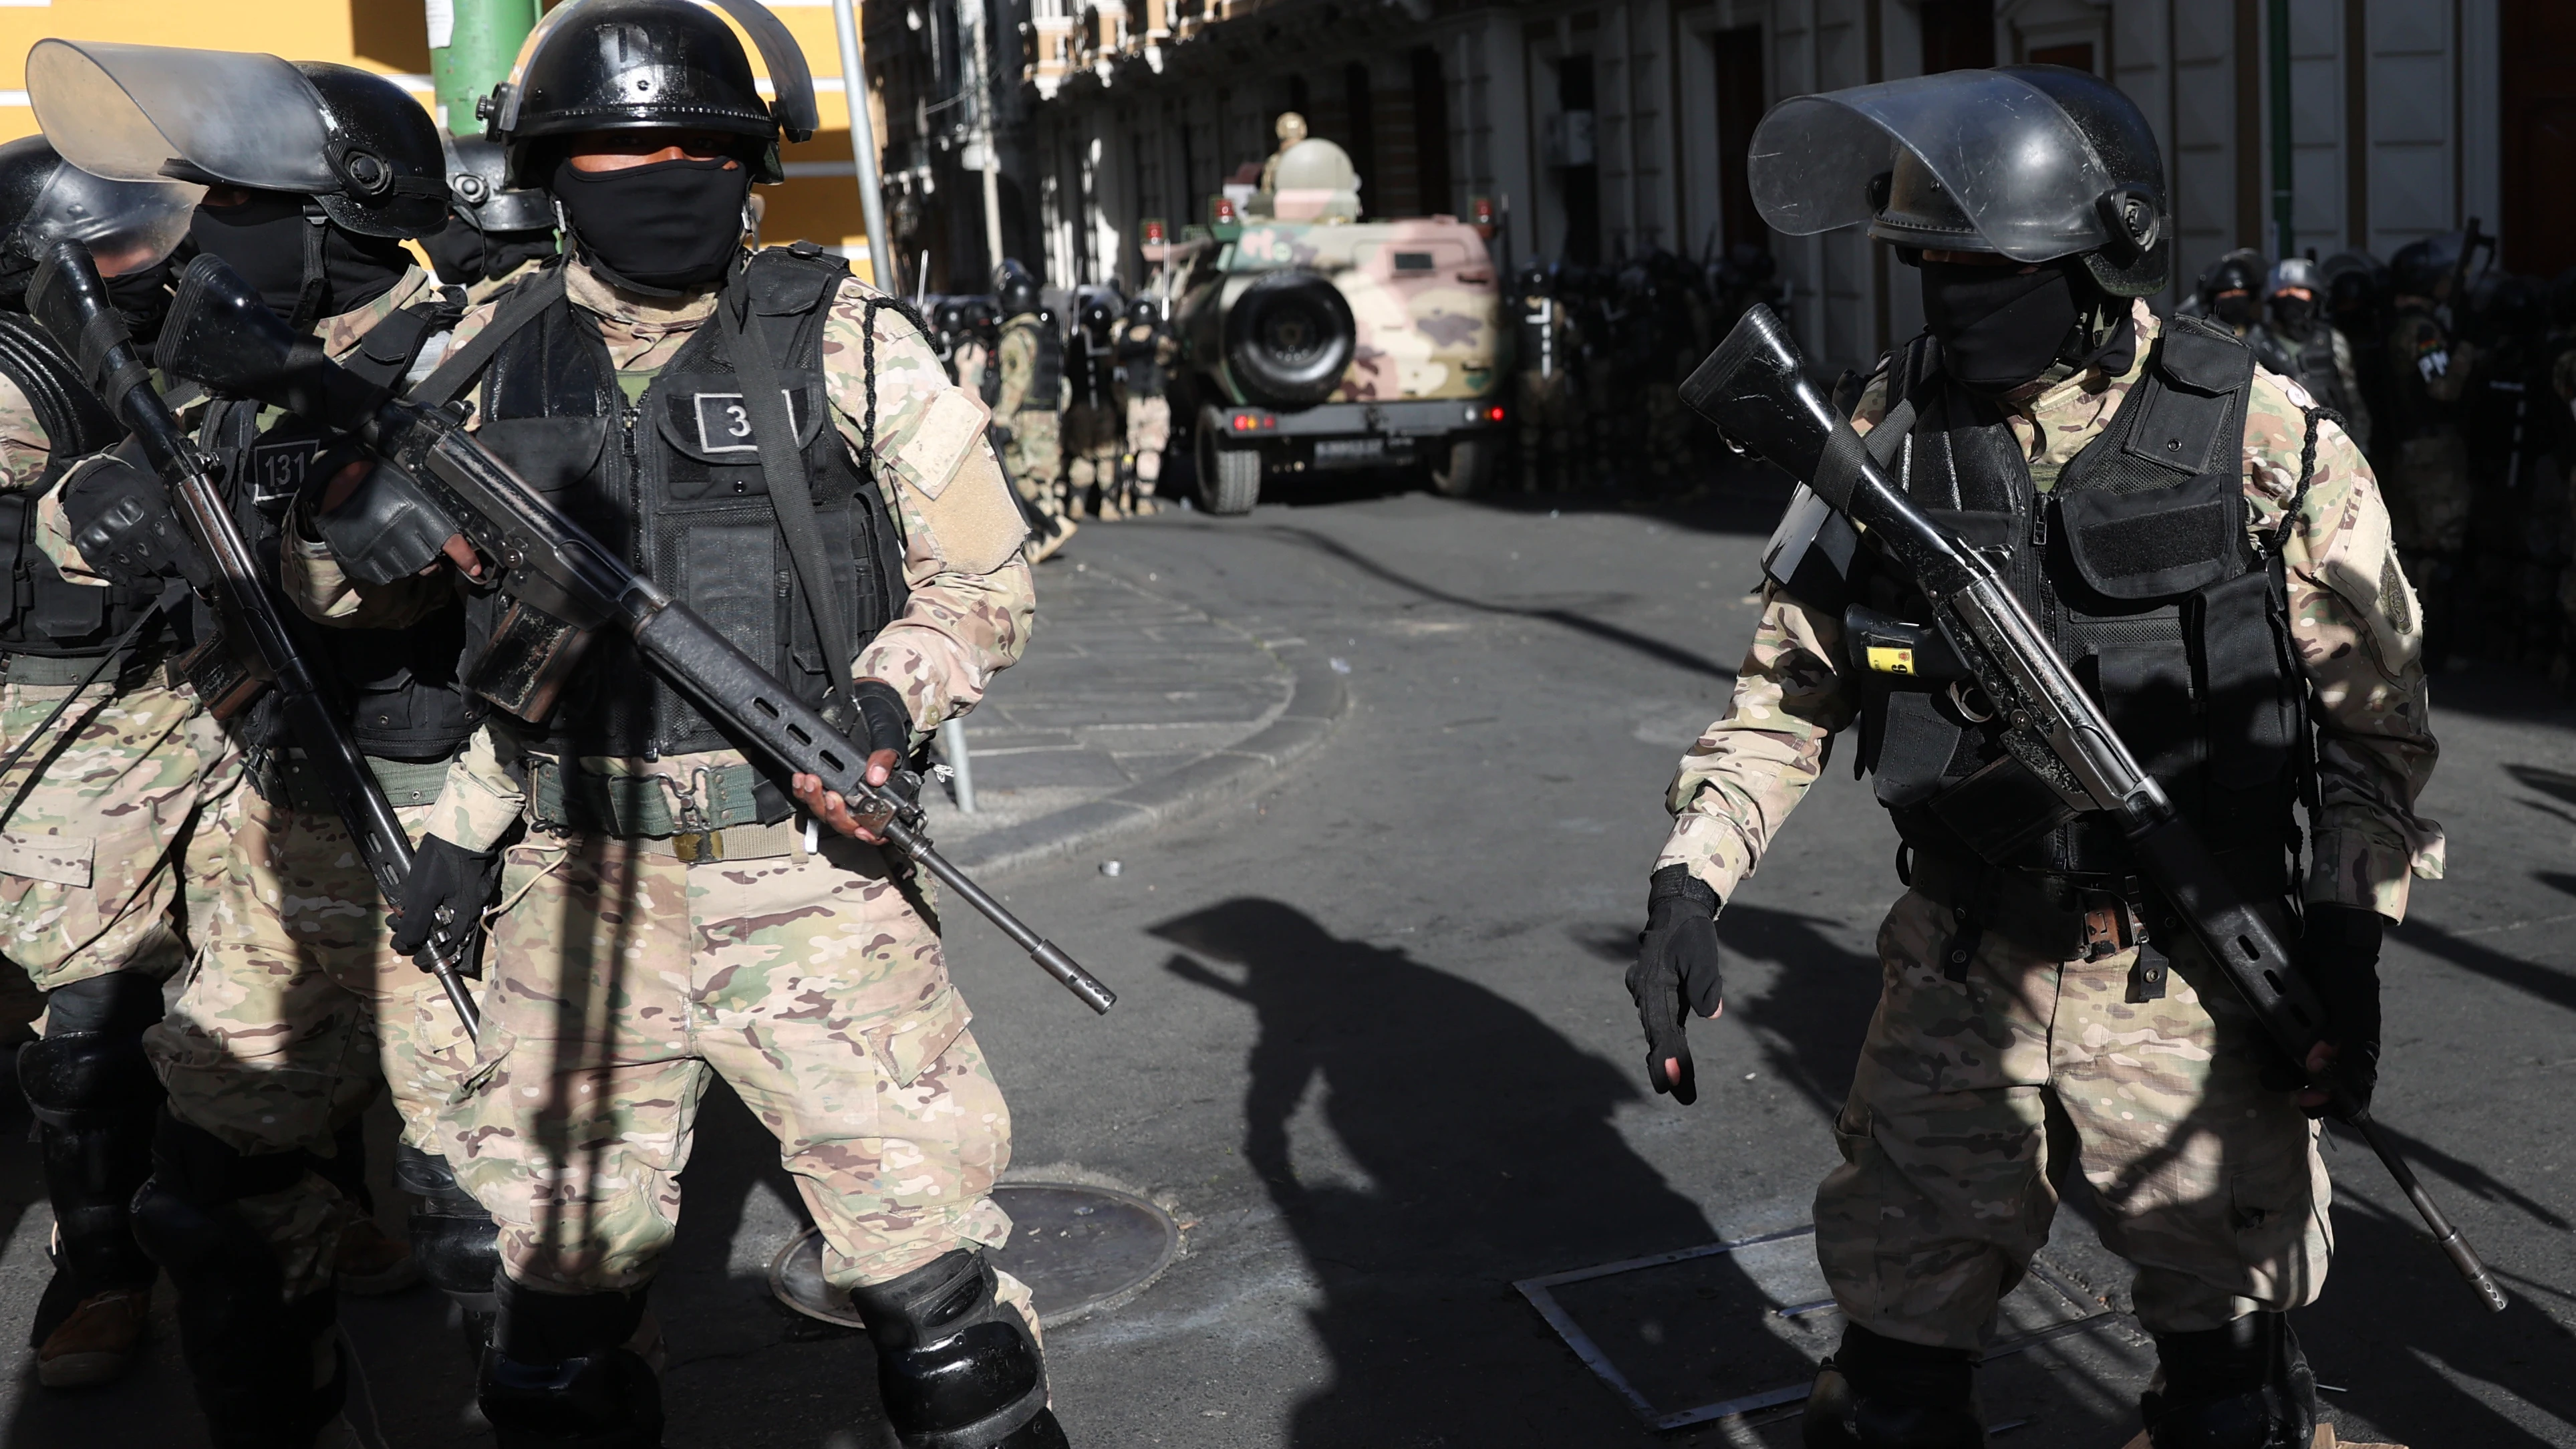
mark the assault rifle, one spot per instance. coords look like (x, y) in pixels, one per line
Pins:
(560, 584)
(1754, 388)
(67, 296)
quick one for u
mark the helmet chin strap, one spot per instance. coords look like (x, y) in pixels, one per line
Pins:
(308, 298)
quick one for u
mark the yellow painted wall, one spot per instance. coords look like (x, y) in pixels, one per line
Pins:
(391, 37)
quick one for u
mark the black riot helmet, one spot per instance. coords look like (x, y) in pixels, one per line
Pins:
(478, 187)
(1535, 282)
(983, 319)
(622, 65)
(127, 226)
(2032, 162)
(1099, 312)
(1015, 288)
(1146, 312)
(2238, 271)
(2421, 268)
(353, 141)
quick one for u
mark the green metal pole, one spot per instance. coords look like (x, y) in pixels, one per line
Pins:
(472, 44)
(2281, 192)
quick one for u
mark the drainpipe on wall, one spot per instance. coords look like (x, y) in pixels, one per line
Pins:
(2281, 172)
(472, 45)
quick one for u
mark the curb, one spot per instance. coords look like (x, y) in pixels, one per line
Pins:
(1317, 700)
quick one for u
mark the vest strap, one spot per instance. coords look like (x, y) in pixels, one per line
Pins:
(458, 369)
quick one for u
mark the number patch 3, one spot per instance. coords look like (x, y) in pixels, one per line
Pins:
(724, 424)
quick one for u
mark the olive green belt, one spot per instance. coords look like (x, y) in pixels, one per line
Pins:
(48, 669)
(721, 822)
(292, 780)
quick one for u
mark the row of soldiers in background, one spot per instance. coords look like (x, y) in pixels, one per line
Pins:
(1601, 353)
(1082, 415)
(2459, 381)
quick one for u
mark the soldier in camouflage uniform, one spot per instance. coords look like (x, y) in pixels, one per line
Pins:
(110, 765)
(257, 1205)
(669, 914)
(2428, 475)
(1146, 351)
(2025, 967)
(1095, 434)
(1029, 362)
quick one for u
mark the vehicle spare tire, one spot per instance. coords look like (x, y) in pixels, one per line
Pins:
(1289, 337)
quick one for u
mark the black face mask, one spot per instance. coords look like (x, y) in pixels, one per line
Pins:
(2297, 316)
(659, 229)
(264, 239)
(1999, 327)
(2236, 309)
(142, 298)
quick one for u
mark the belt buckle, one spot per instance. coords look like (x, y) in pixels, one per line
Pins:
(696, 846)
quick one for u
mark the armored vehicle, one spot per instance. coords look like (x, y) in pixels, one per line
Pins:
(1312, 342)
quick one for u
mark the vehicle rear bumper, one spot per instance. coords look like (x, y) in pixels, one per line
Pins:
(1411, 418)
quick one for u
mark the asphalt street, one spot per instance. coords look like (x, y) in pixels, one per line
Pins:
(1373, 1046)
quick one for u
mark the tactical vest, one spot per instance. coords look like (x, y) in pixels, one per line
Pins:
(1087, 362)
(672, 482)
(1140, 361)
(1046, 372)
(1538, 336)
(400, 686)
(2413, 411)
(43, 613)
(2138, 568)
(2310, 363)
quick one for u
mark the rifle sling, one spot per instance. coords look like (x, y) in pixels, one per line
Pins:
(774, 433)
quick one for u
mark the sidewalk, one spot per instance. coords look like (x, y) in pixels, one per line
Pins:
(1130, 707)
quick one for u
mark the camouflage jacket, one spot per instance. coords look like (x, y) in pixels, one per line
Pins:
(2353, 616)
(25, 451)
(339, 336)
(972, 598)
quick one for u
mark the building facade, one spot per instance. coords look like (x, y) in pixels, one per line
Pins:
(1602, 130)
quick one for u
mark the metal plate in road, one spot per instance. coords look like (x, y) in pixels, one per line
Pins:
(1079, 1248)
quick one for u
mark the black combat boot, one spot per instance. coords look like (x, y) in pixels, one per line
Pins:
(560, 1375)
(2245, 1386)
(456, 1241)
(1884, 1393)
(95, 1101)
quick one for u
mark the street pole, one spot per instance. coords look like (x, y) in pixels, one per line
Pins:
(472, 45)
(2281, 155)
(980, 80)
(863, 146)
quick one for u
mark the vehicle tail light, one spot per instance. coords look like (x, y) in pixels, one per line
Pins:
(1494, 414)
(1252, 422)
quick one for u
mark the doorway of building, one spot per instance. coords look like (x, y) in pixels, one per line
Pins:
(2539, 126)
(1739, 111)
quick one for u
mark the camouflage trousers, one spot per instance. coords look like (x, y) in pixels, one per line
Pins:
(294, 1010)
(1149, 432)
(625, 978)
(2429, 495)
(1035, 458)
(109, 807)
(1094, 440)
(2209, 1182)
(1551, 432)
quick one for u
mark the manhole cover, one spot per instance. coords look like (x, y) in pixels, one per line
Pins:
(1078, 1248)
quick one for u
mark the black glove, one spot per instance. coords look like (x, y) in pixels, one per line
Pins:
(885, 721)
(444, 895)
(122, 524)
(1677, 972)
(2339, 951)
(388, 529)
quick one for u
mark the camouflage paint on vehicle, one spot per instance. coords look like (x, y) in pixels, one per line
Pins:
(1425, 330)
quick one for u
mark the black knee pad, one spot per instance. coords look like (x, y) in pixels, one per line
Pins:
(1884, 1393)
(558, 1374)
(956, 1370)
(2244, 1386)
(95, 1099)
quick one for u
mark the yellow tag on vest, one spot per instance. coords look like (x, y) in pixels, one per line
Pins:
(1884, 659)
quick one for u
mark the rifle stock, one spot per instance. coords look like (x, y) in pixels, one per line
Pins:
(1754, 387)
(67, 296)
(560, 581)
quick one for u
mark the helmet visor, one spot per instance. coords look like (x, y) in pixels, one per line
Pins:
(127, 112)
(126, 225)
(791, 81)
(2012, 171)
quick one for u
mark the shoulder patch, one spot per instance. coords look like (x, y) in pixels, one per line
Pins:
(950, 426)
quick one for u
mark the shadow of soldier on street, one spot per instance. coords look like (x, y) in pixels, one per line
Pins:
(1428, 1142)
